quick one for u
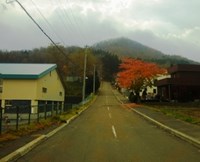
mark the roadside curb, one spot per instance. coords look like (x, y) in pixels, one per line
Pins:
(171, 130)
(179, 134)
(23, 150)
(29, 146)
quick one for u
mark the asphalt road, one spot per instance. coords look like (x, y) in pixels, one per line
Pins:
(109, 132)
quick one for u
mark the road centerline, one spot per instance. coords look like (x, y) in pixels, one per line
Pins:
(114, 131)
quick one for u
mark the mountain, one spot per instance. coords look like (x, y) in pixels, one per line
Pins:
(127, 47)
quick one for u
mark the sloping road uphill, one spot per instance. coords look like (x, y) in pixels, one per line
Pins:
(109, 132)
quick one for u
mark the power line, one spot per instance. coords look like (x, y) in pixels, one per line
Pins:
(47, 22)
(58, 48)
(74, 20)
(39, 27)
(62, 17)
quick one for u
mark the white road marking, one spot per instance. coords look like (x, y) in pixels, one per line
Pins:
(108, 108)
(106, 100)
(114, 132)
(110, 115)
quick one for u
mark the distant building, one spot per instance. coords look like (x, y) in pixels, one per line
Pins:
(152, 91)
(30, 85)
(184, 84)
(73, 78)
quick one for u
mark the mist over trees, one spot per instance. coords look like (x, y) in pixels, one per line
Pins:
(130, 48)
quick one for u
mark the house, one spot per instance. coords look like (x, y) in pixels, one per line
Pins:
(30, 85)
(183, 85)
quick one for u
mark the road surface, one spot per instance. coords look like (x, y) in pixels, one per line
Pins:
(109, 132)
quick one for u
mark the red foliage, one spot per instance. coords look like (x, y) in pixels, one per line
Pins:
(136, 73)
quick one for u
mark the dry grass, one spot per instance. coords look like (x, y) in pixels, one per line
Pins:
(131, 105)
(189, 112)
(7, 136)
(43, 124)
(28, 129)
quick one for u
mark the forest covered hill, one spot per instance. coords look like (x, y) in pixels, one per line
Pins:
(129, 48)
(106, 55)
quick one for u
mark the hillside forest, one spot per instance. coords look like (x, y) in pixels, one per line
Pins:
(70, 63)
(104, 57)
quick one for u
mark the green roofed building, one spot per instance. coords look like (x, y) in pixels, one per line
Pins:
(30, 85)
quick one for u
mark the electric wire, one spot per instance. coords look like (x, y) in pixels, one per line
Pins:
(62, 18)
(37, 24)
(52, 41)
(57, 47)
(76, 24)
(51, 27)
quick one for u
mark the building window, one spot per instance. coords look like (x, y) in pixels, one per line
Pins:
(44, 90)
(60, 93)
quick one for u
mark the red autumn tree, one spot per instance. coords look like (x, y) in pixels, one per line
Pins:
(136, 75)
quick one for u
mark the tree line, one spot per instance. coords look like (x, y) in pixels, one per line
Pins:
(70, 63)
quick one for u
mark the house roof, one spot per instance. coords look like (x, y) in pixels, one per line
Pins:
(25, 71)
(184, 68)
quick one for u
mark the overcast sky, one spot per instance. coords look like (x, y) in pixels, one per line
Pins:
(171, 26)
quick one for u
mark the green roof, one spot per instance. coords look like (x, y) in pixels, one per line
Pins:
(25, 71)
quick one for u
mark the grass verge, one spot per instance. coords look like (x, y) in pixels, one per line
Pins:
(188, 112)
(43, 124)
(28, 129)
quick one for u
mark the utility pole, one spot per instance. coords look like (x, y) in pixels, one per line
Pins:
(94, 79)
(84, 75)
